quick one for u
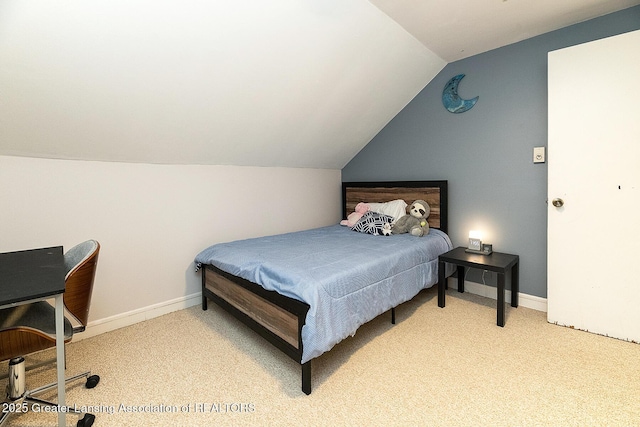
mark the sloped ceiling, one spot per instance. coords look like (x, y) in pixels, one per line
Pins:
(246, 82)
(293, 83)
(456, 29)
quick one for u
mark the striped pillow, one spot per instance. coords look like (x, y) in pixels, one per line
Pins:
(372, 223)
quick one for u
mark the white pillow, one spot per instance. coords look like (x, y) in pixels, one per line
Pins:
(395, 208)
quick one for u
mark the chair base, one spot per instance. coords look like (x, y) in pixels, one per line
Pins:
(19, 396)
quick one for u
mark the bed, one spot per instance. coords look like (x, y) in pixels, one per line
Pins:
(306, 291)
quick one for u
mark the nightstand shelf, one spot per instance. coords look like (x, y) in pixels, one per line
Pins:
(498, 262)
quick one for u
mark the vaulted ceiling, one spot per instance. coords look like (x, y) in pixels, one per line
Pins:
(293, 83)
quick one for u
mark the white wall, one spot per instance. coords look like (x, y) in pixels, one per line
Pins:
(151, 220)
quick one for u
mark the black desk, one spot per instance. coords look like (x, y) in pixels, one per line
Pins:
(33, 275)
(501, 263)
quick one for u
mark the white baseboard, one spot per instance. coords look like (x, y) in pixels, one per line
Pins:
(524, 300)
(118, 321)
(141, 314)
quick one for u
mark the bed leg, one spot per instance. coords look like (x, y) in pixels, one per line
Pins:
(204, 297)
(393, 315)
(306, 377)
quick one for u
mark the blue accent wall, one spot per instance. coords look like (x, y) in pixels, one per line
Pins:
(486, 153)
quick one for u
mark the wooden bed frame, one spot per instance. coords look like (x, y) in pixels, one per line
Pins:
(279, 319)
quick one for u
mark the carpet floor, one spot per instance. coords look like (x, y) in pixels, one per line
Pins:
(435, 367)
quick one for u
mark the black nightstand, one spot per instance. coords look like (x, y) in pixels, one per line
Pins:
(499, 262)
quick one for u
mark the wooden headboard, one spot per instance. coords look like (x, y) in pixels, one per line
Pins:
(432, 192)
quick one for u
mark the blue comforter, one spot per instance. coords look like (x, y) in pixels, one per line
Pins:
(346, 277)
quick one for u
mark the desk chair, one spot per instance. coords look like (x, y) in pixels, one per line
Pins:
(31, 327)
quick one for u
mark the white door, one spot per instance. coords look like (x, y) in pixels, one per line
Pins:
(594, 167)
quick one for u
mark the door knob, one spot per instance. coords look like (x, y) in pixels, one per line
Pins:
(558, 203)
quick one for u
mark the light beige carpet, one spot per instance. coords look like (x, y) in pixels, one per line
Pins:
(435, 367)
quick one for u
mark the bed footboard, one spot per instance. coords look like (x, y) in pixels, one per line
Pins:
(277, 318)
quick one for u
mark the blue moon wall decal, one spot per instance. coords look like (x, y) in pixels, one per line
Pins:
(452, 101)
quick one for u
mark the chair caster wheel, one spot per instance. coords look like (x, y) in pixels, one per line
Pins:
(86, 421)
(92, 381)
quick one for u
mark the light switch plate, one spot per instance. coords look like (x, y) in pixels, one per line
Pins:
(538, 155)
